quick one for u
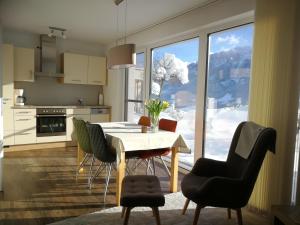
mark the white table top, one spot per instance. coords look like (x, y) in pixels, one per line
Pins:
(125, 136)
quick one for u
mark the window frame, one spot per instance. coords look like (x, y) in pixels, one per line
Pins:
(202, 33)
(126, 99)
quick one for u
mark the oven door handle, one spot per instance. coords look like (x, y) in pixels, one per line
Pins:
(45, 115)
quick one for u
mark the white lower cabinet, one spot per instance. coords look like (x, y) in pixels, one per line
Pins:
(25, 126)
(100, 118)
(83, 114)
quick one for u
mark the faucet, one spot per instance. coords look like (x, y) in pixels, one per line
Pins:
(80, 101)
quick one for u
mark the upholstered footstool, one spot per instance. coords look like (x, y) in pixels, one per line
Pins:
(141, 191)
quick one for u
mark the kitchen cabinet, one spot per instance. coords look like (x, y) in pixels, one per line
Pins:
(25, 126)
(8, 94)
(23, 64)
(97, 70)
(75, 68)
(83, 114)
(100, 115)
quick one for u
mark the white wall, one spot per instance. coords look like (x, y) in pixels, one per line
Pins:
(214, 14)
(49, 91)
(1, 116)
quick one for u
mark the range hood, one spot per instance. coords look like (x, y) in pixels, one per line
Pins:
(49, 58)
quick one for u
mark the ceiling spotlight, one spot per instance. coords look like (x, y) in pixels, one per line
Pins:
(55, 31)
(51, 33)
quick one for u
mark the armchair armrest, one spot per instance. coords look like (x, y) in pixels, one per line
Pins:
(209, 167)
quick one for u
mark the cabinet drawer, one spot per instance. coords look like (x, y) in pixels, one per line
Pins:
(78, 111)
(25, 137)
(25, 122)
(25, 112)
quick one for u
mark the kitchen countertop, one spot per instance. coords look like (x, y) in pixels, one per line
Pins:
(60, 106)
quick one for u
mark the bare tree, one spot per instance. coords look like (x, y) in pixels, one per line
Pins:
(168, 68)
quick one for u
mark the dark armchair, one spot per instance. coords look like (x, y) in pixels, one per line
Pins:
(228, 184)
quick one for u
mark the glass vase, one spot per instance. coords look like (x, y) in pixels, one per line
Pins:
(154, 123)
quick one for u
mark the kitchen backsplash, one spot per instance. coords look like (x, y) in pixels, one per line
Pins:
(47, 91)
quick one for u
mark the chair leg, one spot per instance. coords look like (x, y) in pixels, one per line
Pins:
(229, 213)
(107, 179)
(186, 204)
(127, 214)
(86, 157)
(166, 167)
(91, 170)
(156, 214)
(98, 171)
(153, 164)
(123, 211)
(239, 216)
(197, 214)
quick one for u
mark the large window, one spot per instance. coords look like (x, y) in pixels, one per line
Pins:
(134, 95)
(227, 90)
(174, 73)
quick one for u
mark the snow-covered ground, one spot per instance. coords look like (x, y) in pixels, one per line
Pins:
(220, 126)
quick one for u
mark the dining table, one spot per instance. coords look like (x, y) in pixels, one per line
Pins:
(125, 137)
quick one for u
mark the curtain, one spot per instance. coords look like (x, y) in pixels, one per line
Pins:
(274, 97)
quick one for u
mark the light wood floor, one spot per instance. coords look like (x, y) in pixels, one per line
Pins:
(40, 188)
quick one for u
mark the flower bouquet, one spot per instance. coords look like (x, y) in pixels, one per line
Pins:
(155, 107)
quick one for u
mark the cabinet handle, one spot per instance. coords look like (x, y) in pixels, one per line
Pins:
(77, 80)
(23, 133)
(97, 81)
(23, 119)
(23, 112)
(6, 99)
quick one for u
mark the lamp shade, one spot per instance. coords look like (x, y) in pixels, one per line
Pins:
(121, 56)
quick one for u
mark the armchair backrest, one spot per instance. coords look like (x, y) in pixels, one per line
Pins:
(248, 169)
(82, 135)
(99, 144)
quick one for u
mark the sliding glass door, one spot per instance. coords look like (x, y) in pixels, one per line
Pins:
(227, 87)
(174, 74)
(134, 90)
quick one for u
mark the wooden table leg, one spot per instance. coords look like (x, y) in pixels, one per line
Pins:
(80, 156)
(120, 176)
(174, 170)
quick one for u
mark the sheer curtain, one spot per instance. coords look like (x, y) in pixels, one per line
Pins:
(274, 97)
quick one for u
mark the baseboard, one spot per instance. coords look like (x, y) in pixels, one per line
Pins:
(16, 148)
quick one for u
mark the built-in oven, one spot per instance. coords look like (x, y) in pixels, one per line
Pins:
(50, 122)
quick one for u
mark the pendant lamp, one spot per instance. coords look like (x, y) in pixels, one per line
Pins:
(121, 56)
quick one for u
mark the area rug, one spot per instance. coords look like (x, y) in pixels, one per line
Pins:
(170, 214)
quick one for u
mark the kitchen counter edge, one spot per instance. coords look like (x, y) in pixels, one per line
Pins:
(61, 106)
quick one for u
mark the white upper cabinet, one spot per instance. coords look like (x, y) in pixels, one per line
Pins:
(24, 64)
(75, 68)
(8, 72)
(8, 93)
(97, 70)
(84, 69)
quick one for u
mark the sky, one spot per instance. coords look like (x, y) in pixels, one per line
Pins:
(225, 40)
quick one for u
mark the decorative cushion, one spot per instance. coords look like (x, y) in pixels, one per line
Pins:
(141, 190)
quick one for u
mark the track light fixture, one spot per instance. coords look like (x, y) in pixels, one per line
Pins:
(54, 31)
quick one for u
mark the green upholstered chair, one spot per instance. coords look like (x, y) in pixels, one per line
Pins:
(83, 140)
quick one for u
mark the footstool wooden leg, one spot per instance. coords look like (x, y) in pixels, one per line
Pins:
(229, 213)
(123, 212)
(186, 204)
(127, 214)
(156, 214)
